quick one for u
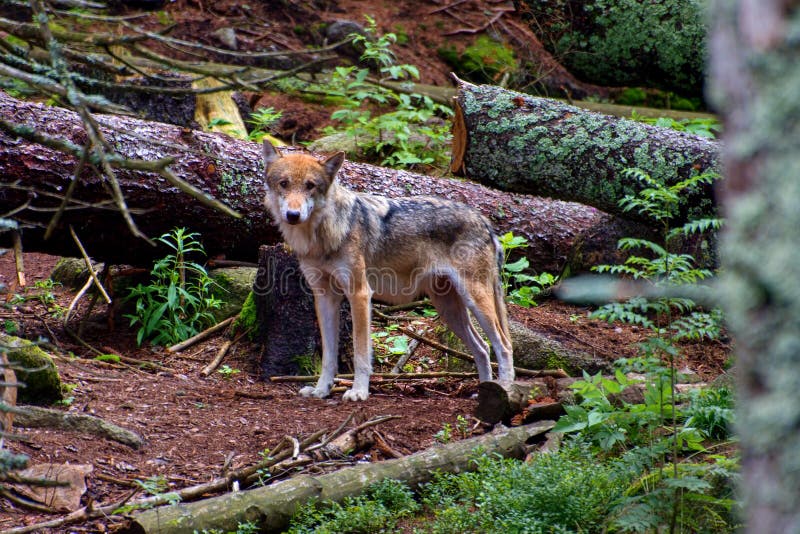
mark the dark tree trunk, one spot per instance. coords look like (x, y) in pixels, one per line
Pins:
(232, 171)
(754, 73)
(540, 146)
(283, 297)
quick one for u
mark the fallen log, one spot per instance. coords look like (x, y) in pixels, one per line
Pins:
(516, 142)
(37, 417)
(271, 507)
(35, 177)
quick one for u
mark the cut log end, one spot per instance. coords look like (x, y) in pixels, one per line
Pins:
(459, 143)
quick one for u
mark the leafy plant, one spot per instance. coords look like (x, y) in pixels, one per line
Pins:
(387, 344)
(377, 510)
(178, 301)
(660, 267)
(227, 371)
(262, 121)
(565, 491)
(445, 435)
(697, 126)
(413, 133)
(521, 288)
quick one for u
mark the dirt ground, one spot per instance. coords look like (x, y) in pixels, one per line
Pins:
(195, 427)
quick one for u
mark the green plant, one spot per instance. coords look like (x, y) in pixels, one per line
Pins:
(564, 491)
(413, 133)
(486, 60)
(710, 411)
(445, 435)
(156, 486)
(10, 327)
(178, 301)
(227, 371)
(377, 510)
(262, 121)
(697, 126)
(386, 344)
(658, 266)
(521, 288)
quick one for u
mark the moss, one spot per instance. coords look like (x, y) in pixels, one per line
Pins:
(40, 375)
(234, 287)
(629, 42)
(485, 60)
(248, 319)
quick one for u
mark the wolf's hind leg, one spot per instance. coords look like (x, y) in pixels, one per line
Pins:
(453, 311)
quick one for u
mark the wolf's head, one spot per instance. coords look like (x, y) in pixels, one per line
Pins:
(297, 183)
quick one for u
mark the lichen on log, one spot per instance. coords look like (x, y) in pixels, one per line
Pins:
(517, 142)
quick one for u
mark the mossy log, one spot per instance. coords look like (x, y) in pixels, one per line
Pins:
(38, 417)
(232, 171)
(35, 370)
(516, 142)
(271, 507)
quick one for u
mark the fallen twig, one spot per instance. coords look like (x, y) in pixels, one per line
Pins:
(202, 335)
(88, 262)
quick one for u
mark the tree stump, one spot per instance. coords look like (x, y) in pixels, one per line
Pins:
(287, 324)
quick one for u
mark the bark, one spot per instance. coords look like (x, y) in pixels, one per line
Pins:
(533, 350)
(540, 146)
(754, 73)
(232, 171)
(271, 507)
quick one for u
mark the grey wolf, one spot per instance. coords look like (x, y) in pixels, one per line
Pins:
(361, 246)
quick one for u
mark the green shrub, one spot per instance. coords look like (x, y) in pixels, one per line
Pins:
(520, 287)
(377, 510)
(414, 133)
(485, 61)
(627, 42)
(565, 491)
(178, 302)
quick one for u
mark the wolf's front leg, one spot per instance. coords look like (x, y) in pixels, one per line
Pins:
(360, 306)
(327, 304)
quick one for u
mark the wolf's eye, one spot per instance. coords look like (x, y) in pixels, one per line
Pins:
(284, 184)
(310, 186)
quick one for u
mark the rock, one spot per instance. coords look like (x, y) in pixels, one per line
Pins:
(339, 31)
(34, 368)
(72, 272)
(227, 36)
(235, 284)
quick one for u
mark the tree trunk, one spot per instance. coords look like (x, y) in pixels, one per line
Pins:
(232, 171)
(271, 507)
(754, 73)
(540, 146)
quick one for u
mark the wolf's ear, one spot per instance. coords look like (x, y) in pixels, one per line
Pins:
(333, 164)
(270, 154)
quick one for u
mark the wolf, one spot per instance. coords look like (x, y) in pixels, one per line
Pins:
(361, 247)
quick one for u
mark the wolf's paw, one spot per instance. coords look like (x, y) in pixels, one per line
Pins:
(311, 391)
(355, 395)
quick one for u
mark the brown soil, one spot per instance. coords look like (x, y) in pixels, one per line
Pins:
(195, 427)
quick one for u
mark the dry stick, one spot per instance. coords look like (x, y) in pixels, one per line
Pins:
(75, 300)
(202, 335)
(88, 262)
(378, 376)
(448, 6)
(19, 264)
(413, 345)
(208, 369)
(468, 358)
(495, 18)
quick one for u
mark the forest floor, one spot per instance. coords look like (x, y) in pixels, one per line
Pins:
(195, 427)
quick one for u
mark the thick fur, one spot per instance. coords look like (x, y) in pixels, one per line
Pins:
(360, 246)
